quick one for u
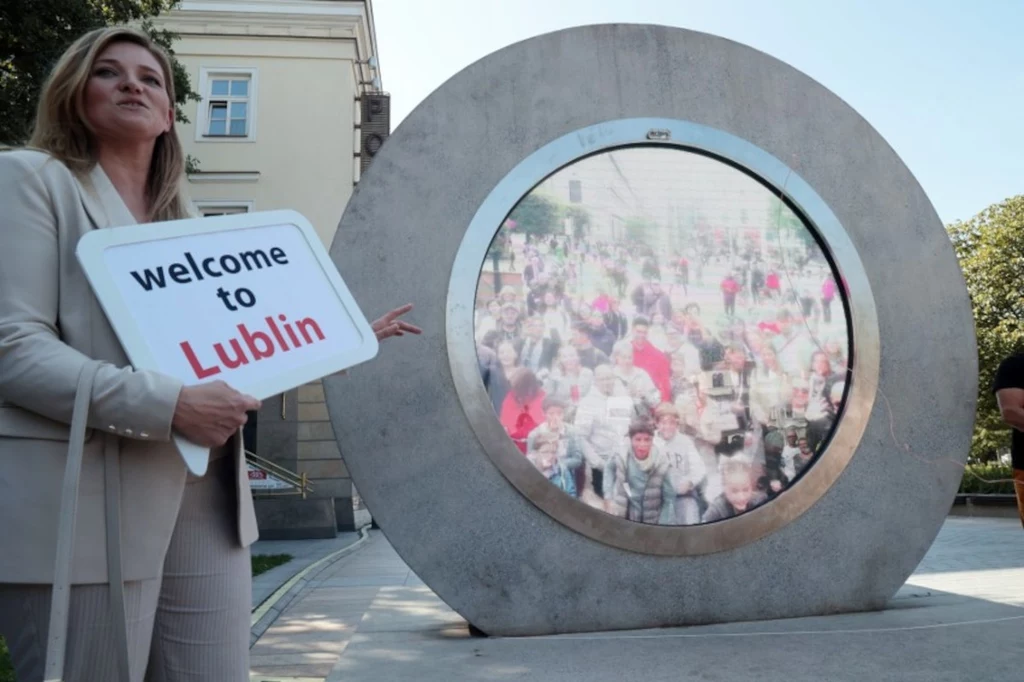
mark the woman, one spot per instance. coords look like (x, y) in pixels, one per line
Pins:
(828, 294)
(582, 312)
(684, 390)
(570, 380)
(730, 288)
(639, 385)
(544, 456)
(507, 360)
(820, 412)
(836, 351)
(770, 389)
(556, 320)
(150, 540)
(487, 320)
(508, 296)
(657, 334)
(507, 357)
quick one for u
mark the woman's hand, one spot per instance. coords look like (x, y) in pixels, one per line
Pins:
(209, 414)
(389, 325)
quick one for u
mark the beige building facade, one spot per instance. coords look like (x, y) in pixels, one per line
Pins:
(278, 127)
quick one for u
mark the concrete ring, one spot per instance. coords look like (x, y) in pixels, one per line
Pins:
(409, 441)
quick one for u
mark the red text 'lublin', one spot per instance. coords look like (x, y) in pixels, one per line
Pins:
(253, 346)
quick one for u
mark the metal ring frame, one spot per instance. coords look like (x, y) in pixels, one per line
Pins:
(858, 301)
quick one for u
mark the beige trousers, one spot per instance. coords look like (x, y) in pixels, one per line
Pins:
(190, 625)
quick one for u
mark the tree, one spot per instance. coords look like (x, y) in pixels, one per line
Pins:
(784, 223)
(580, 218)
(537, 214)
(990, 248)
(641, 230)
(33, 35)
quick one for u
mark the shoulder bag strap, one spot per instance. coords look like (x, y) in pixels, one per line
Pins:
(112, 492)
(60, 605)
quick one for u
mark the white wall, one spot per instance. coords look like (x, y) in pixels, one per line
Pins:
(304, 143)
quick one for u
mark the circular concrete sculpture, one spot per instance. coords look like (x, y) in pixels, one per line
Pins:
(684, 161)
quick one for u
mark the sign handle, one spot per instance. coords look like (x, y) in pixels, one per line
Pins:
(196, 457)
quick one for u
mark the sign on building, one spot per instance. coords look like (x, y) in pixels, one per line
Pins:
(261, 480)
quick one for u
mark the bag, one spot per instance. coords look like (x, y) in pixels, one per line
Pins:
(525, 424)
(60, 602)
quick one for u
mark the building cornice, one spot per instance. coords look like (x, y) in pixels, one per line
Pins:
(224, 176)
(309, 19)
(320, 8)
(372, 34)
(186, 23)
(273, 18)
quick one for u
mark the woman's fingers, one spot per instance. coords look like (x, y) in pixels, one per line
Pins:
(401, 310)
(389, 326)
(386, 331)
(411, 328)
(389, 318)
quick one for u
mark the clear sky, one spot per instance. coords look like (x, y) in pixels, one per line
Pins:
(941, 80)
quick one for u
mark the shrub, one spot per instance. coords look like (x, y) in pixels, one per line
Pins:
(987, 478)
(261, 563)
(6, 668)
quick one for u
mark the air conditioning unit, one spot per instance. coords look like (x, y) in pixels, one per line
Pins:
(375, 127)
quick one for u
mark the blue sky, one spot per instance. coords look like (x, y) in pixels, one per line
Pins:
(942, 81)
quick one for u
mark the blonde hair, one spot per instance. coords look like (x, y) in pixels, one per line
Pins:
(737, 465)
(622, 348)
(62, 130)
(544, 438)
(666, 410)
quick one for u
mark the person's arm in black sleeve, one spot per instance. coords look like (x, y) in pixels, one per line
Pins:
(1009, 390)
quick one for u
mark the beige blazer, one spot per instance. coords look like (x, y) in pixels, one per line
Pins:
(50, 324)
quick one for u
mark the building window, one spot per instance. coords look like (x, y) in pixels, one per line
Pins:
(575, 192)
(208, 209)
(227, 112)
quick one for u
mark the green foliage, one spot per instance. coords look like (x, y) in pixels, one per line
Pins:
(641, 230)
(781, 221)
(988, 478)
(183, 91)
(537, 215)
(33, 35)
(580, 218)
(261, 563)
(6, 668)
(990, 248)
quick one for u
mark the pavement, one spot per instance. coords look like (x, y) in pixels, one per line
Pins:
(304, 553)
(366, 616)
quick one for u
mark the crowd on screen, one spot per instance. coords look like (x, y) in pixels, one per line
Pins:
(664, 387)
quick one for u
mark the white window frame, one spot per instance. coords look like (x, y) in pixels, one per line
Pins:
(245, 206)
(209, 73)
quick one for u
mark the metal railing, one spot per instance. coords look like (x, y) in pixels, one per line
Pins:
(297, 484)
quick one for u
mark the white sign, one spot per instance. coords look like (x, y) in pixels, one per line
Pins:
(261, 480)
(250, 299)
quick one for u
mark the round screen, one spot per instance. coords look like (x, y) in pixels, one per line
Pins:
(662, 336)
